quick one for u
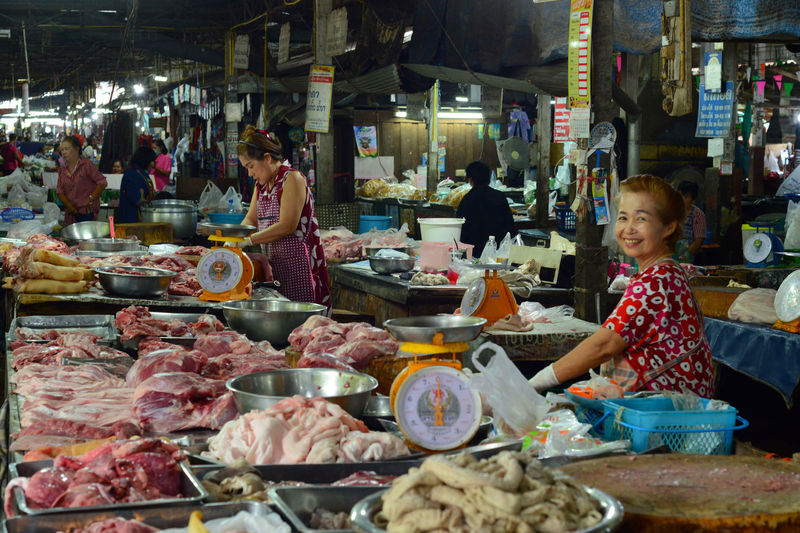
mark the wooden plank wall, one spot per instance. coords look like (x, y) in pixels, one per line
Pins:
(406, 140)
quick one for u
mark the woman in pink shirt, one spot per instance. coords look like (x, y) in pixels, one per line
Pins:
(79, 184)
(163, 166)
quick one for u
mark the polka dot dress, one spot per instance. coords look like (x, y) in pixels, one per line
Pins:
(297, 260)
(659, 320)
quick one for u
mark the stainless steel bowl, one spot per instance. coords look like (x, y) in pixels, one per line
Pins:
(350, 390)
(142, 282)
(370, 251)
(110, 245)
(362, 515)
(379, 405)
(268, 320)
(454, 328)
(181, 214)
(81, 231)
(228, 230)
(390, 265)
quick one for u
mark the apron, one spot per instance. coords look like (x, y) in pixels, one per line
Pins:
(297, 260)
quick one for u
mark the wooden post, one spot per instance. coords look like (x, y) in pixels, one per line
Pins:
(231, 127)
(544, 135)
(591, 257)
(323, 167)
(433, 138)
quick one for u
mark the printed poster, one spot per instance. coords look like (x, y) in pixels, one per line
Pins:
(580, 53)
(490, 130)
(366, 140)
(318, 100)
(561, 132)
(714, 112)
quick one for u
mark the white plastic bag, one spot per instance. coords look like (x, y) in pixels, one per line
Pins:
(52, 213)
(16, 196)
(242, 521)
(560, 433)
(225, 202)
(504, 250)
(36, 196)
(536, 312)
(26, 228)
(508, 392)
(756, 306)
(792, 240)
(209, 198)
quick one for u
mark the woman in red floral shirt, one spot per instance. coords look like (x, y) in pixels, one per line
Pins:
(654, 338)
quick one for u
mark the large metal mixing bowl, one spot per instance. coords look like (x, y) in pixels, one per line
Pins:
(110, 245)
(139, 282)
(181, 214)
(390, 265)
(350, 390)
(454, 328)
(81, 231)
(268, 320)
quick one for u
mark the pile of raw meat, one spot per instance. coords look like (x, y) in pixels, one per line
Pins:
(302, 430)
(341, 244)
(39, 241)
(136, 321)
(183, 284)
(117, 472)
(75, 345)
(329, 344)
(44, 271)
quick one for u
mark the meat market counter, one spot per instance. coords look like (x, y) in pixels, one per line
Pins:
(361, 290)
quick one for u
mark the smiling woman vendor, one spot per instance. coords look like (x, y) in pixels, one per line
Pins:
(654, 338)
(283, 210)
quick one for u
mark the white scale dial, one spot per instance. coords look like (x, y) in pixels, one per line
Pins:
(219, 270)
(436, 409)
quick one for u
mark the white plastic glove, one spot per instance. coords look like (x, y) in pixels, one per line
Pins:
(544, 379)
(230, 244)
(247, 242)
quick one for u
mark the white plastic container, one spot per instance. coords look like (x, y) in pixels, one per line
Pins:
(440, 229)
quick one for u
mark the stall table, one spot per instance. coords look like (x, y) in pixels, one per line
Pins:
(358, 288)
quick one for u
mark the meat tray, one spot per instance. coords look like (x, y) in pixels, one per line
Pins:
(297, 504)
(133, 344)
(193, 491)
(101, 326)
(161, 518)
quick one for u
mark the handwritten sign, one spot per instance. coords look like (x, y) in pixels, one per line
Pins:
(318, 99)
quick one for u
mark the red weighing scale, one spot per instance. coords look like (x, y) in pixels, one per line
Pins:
(432, 402)
(225, 273)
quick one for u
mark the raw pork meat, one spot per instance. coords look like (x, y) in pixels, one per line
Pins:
(231, 365)
(181, 400)
(365, 478)
(136, 321)
(66, 432)
(151, 344)
(223, 342)
(28, 334)
(192, 250)
(116, 525)
(325, 360)
(119, 471)
(78, 345)
(165, 361)
(363, 351)
(301, 336)
(301, 430)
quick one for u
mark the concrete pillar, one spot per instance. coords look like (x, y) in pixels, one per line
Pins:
(544, 135)
(324, 159)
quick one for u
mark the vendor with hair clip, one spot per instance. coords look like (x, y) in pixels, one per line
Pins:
(655, 338)
(283, 210)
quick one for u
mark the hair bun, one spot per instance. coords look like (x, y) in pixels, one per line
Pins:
(248, 131)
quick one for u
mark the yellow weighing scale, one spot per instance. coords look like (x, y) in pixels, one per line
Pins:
(225, 273)
(489, 297)
(431, 400)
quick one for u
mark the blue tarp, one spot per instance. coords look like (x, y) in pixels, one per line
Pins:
(767, 355)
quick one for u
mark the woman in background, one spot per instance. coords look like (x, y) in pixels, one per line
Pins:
(79, 184)
(136, 187)
(163, 165)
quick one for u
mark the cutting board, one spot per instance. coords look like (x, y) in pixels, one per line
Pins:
(693, 493)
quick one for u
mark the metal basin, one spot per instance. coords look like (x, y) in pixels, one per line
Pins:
(140, 281)
(454, 328)
(268, 320)
(228, 230)
(110, 245)
(181, 214)
(81, 231)
(350, 390)
(370, 251)
(362, 516)
(390, 265)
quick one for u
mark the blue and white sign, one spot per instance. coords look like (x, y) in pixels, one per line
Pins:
(714, 112)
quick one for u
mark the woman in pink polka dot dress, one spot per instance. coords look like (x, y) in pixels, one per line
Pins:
(283, 210)
(654, 339)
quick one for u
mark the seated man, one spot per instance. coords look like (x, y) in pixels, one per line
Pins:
(485, 209)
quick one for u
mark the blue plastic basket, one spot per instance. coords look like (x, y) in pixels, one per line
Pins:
(226, 218)
(15, 214)
(565, 217)
(368, 222)
(652, 422)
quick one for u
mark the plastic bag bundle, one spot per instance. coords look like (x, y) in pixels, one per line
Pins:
(27, 228)
(536, 312)
(508, 392)
(209, 198)
(36, 196)
(792, 240)
(223, 205)
(755, 306)
(504, 250)
(16, 196)
(52, 213)
(561, 433)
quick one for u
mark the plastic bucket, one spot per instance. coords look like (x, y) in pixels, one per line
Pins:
(436, 255)
(368, 222)
(440, 229)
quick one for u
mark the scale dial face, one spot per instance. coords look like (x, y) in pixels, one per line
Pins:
(473, 297)
(436, 409)
(220, 270)
(757, 247)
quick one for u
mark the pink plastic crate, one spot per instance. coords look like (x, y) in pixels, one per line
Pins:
(436, 255)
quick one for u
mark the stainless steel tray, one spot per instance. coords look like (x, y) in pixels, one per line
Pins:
(102, 255)
(163, 517)
(191, 488)
(454, 328)
(318, 473)
(101, 326)
(298, 503)
(363, 513)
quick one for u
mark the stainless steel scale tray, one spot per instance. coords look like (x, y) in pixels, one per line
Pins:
(101, 326)
(191, 487)
(298, 503)
(163, 517)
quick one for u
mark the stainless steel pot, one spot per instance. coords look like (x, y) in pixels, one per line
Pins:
(181, 214)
